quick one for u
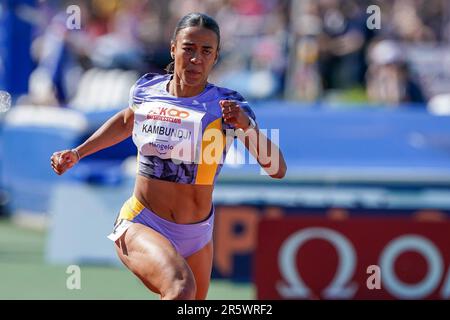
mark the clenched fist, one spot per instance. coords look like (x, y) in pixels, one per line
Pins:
(234, 115)
(63, 160)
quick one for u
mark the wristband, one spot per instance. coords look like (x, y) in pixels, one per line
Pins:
(77, 153)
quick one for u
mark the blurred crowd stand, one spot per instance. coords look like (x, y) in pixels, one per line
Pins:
(300, 50)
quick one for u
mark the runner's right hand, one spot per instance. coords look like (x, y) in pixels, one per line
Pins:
(63, 160)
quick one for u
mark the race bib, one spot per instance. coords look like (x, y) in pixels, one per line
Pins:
(168, 131)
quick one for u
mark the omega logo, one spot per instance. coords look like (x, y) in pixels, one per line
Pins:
(342, 286)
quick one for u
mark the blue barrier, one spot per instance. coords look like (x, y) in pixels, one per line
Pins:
(386, 146)
(27, 174)
(29, 136)
(401, 144)
(370, 144)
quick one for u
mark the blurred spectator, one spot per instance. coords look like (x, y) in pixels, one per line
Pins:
(408, 25)
(254, 47)
(304, 79)
(341, 43)
(389, 79)
(55, 59)
(296, 49)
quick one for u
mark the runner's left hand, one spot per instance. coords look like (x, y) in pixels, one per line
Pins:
(233, 114)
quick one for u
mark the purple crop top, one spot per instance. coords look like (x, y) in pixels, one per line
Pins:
(180, 139)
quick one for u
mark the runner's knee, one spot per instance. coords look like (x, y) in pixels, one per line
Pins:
(181, 286)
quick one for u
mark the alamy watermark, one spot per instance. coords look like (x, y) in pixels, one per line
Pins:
(73, 21)
(374, 20)
(374, 280)
(73, 281)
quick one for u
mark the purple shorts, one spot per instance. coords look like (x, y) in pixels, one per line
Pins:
(186, 238)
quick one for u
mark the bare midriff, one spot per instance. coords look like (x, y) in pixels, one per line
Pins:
(176, 202)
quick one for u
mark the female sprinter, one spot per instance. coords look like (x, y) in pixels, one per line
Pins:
(163, 233)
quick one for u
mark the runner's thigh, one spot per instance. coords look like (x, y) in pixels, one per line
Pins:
(151, 257)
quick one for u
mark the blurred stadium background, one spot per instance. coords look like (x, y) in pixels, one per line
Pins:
(360, 93)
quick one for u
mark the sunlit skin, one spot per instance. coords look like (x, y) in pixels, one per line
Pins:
(195, 51)
(148, 254)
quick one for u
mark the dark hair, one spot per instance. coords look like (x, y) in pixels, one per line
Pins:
(194, 20)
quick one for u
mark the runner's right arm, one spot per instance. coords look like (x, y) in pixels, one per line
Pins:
(115, 130)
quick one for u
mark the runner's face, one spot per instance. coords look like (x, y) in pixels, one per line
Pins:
(195, 52)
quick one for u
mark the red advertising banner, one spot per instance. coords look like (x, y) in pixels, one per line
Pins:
(357, 258)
